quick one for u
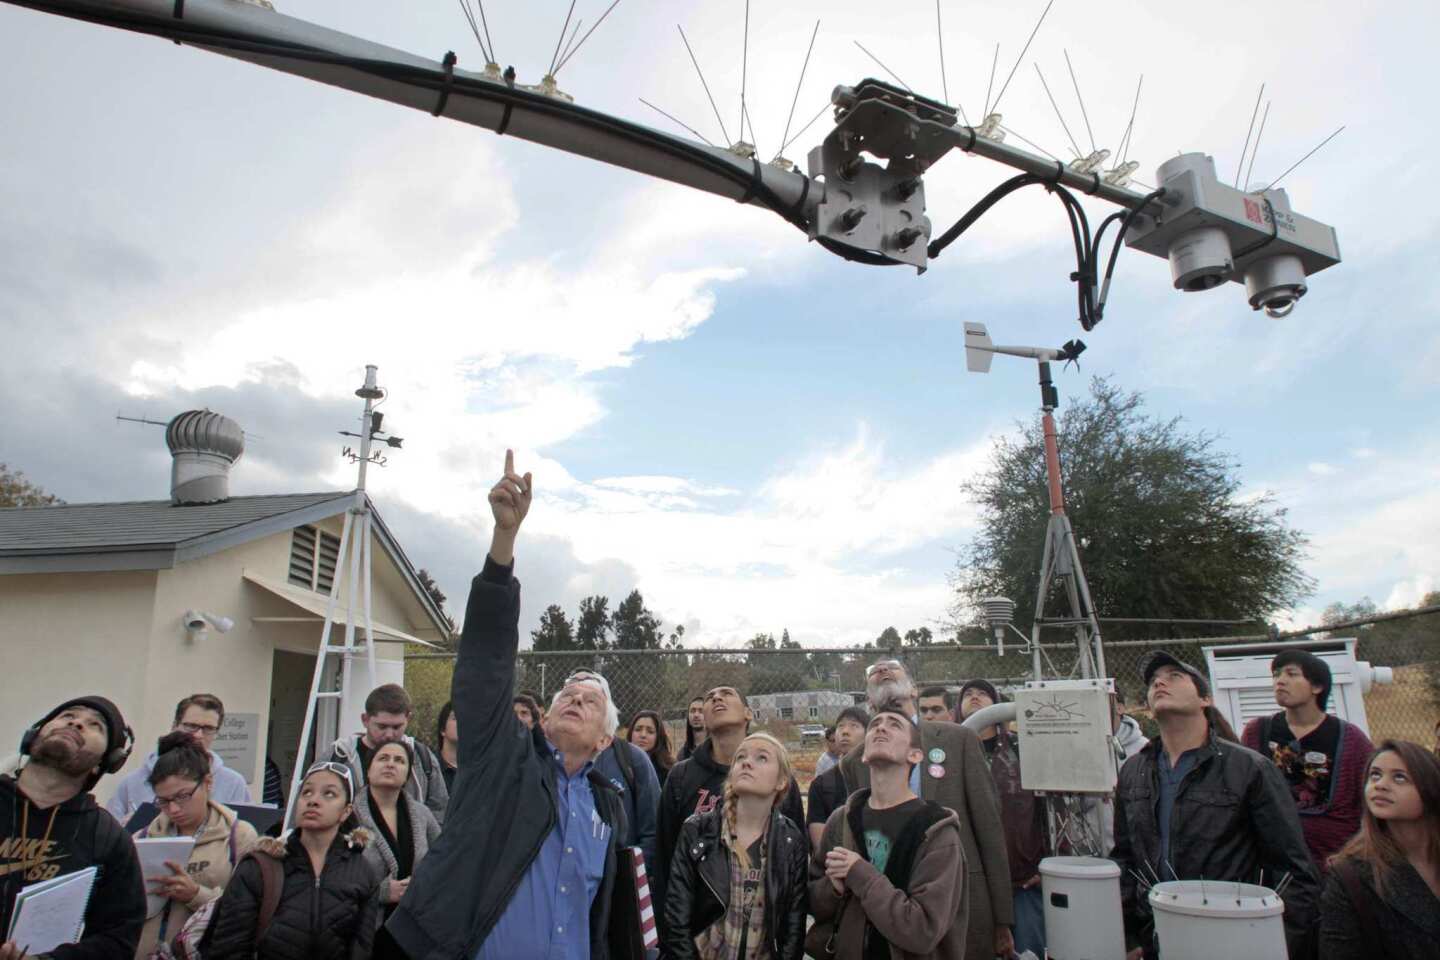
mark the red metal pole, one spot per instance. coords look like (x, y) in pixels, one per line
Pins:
(1052, 464)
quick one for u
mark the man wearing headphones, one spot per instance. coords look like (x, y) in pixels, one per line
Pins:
(50, 825)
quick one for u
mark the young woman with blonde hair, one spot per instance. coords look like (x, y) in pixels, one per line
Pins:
(737, 886)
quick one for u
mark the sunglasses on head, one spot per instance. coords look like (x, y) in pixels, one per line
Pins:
(339, 769)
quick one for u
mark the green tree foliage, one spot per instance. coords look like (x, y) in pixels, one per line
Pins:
(635, 627)
(1163, 528)
(593, 627)
(889, 639)
(636, 683)
(555, 632)
(919, 637)
(16, 491)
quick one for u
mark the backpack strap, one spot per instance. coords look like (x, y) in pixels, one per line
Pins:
(230, 844)
(272, 884)
(627, 764)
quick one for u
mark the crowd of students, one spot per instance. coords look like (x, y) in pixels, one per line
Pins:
(515, 838)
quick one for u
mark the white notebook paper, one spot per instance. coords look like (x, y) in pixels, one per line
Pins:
(51, 912)
(154, 851)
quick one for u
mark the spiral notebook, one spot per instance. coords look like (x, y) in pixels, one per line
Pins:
(52, 912)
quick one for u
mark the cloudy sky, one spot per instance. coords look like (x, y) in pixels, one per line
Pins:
(758, 435)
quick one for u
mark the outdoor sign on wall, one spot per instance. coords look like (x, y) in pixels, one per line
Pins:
(237, 743)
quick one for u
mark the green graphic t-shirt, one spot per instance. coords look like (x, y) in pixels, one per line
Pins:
(882, 828)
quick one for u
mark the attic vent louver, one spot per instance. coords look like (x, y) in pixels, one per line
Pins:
(314, 555)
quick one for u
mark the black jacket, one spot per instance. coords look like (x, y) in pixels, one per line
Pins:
(81, 834)
(503, 806)
(1402, 925)
(696, 786)
(1233, 817)
(332, 917)
(698, 893)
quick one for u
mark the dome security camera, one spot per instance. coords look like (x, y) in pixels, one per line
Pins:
(1275, 283)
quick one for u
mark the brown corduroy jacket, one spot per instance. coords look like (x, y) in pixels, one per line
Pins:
(926, 921)
(965, 786)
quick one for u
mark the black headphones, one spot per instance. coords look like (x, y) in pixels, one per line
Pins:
(110, 763)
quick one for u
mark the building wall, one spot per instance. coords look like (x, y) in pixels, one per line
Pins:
(122, 635)
(238, 665)
(65, 635)
(827, 705)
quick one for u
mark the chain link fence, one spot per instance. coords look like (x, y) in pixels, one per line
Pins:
(796, 693)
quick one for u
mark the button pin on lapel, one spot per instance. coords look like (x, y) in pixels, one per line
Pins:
(936, 771)
(937, 755)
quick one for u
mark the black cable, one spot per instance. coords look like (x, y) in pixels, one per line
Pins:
(977, 211)
(1088, 246)
(435, 80)
(1128, 217)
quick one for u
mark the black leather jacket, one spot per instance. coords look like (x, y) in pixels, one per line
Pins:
(698, 893)
(1233, 818)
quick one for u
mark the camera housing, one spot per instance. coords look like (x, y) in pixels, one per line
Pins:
(1275, 283)
(1212, 233)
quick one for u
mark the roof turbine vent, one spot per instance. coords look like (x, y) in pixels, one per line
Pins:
(203, 445)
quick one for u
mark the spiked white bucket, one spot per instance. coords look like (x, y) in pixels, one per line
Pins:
(1204, 919)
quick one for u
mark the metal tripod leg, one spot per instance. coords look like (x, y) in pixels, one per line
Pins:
(355, 538)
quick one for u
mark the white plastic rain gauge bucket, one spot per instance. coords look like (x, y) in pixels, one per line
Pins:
(1204, 919)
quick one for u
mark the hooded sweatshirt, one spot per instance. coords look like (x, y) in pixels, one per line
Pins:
(1130, 737)
(223, 839)
(921, 914)
(38, 844)
(135, 789)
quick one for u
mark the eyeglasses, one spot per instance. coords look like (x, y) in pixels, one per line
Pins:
(204, 729)
(339, 769)
(891, 665)
(178, 800)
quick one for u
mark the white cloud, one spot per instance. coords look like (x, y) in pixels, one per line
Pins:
(824, 545)
(1381, 526)
(1410, 592)
(1322, 469)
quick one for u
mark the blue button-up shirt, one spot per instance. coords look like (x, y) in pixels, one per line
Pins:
(1165, 807)
(549, 916)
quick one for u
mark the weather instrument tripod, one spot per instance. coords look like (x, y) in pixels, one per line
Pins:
(333, 693)
(1073, 817)
(1060, 561)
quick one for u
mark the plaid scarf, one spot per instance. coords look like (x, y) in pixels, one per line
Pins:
(745, 914)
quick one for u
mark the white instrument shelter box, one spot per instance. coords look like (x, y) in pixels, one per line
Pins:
(1066, 741)
(1240, 677)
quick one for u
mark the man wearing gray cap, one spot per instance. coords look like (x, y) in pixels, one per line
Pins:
(1194, 804)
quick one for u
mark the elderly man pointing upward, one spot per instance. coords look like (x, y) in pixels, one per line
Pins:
(527, 861)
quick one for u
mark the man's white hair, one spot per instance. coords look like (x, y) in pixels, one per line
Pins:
(591, 678)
